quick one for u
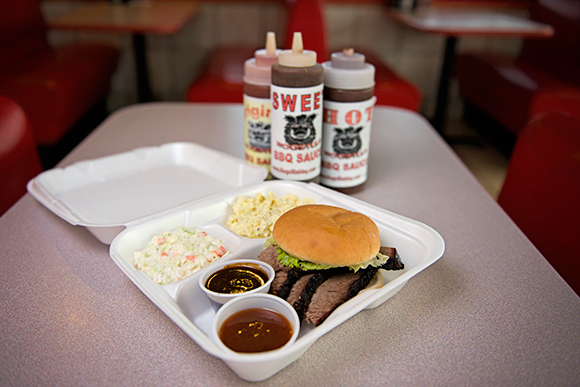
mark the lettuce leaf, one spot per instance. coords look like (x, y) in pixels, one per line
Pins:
(291, 261)
(377, 261)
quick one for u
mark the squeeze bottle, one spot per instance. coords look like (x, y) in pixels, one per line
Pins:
(257, 106)
(348, 104)
(296, 94)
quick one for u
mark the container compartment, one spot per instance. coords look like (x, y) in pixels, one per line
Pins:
(186, 304)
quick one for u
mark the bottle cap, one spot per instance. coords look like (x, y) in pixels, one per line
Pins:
(298, 56)
(258, 70)
(348, 70)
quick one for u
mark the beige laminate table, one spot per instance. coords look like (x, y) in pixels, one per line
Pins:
(490, 312)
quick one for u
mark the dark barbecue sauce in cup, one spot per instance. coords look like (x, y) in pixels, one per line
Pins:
(235, 279)
(255, 330)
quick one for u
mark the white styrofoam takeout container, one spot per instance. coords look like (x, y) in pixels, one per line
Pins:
(184, 302)
(107, 194)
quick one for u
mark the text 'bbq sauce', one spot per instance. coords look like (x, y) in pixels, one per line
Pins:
(255, 330)
(297, 103)
(257, 107)
(348, 105)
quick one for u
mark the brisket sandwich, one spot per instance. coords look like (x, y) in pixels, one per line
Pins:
(323, 256)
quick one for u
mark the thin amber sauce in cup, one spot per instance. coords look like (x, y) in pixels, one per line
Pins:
(255, 330)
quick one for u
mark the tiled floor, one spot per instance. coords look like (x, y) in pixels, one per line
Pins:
(487, 163)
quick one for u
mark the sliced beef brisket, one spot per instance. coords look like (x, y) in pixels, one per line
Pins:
(394, 262)
(298, 288)
(334, 292)
(279, 279)
(284, 290)
(284, 277)
(314, 295)
(270, 256)
(305, 295)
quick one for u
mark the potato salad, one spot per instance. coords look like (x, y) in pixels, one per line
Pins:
(254, 217)
(177, 254)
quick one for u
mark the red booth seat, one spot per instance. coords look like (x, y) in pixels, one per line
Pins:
(19, 161)
(221, 80)
(564, 98)
(390, 88)
(512, 90)
(54, 86)
(220, 77)
(541, 192)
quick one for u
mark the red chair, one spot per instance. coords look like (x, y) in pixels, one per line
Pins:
(220, 78)
(512, 90)
(221, 75)
(561, 98)
(54, 86)
(19, 161)
(390, 88)
(541, 192)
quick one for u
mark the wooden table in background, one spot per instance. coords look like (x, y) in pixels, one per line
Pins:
(137, 18)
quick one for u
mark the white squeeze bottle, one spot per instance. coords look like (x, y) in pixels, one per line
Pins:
(348, 105)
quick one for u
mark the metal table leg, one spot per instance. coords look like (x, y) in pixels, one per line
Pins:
(143, 87)
(444, 81)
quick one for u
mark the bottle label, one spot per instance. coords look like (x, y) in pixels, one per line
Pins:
(296, 132)
(257, 121)
(345, 143)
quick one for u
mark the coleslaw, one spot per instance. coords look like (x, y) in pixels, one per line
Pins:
(177, 254)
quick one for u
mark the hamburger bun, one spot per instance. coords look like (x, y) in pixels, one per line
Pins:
(327, 235)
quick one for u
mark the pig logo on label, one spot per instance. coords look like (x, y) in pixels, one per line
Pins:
(299, 130)
(347, 141)
(259, 135)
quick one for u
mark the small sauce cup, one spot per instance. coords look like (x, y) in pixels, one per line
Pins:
(255, 301)
(239, 286)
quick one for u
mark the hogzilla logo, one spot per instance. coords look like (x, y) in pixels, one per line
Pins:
(299, 130)
(259, 136)
(347, 141)
(300, 135)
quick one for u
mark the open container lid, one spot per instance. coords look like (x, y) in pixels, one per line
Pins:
(107, 194)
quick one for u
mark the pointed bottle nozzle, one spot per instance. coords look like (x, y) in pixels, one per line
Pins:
(347, 70)
(257, 70)
(269, 55)
(270, 43)
(297, 56)
(297, 45)
(347, 59)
